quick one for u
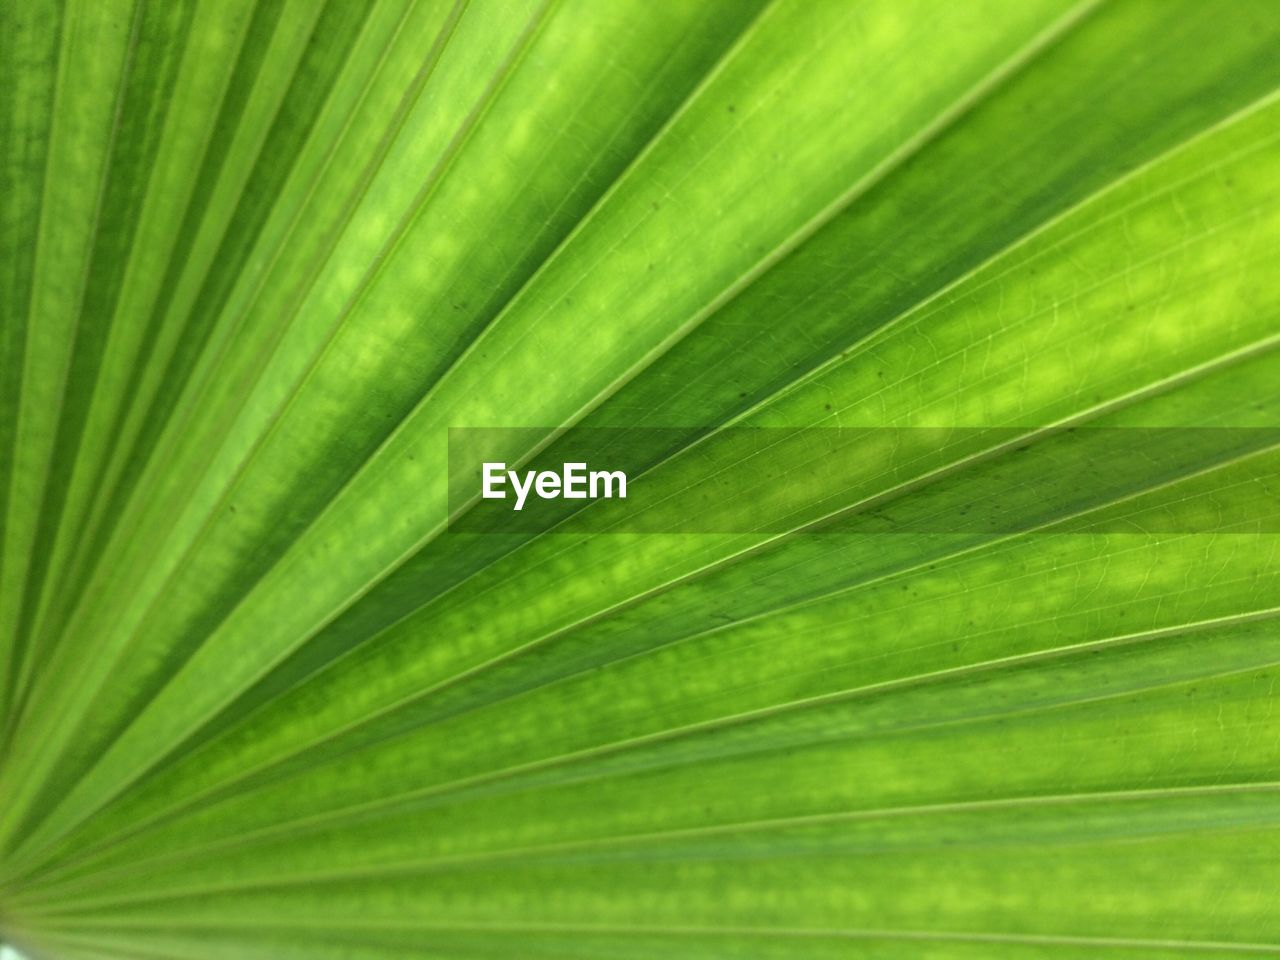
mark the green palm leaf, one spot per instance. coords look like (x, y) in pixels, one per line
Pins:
(863, 670)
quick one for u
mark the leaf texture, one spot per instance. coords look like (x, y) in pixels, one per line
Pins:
(259, 700)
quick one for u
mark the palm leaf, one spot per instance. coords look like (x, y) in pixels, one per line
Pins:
(263, 693)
